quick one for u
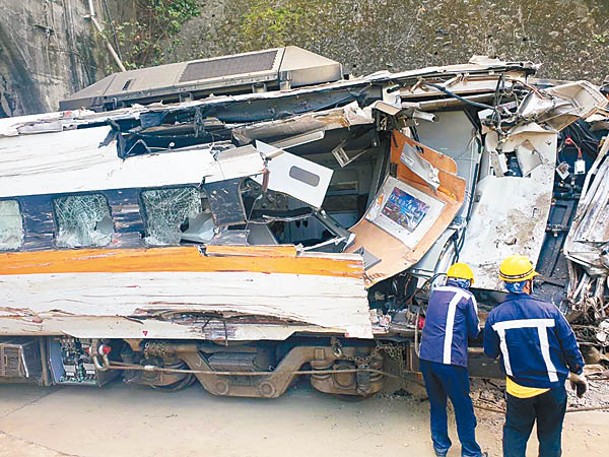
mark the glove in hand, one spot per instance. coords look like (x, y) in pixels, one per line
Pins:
(579, 384)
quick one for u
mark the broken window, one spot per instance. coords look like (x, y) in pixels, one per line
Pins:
(83, 221)
(168, 212)
(11, 226)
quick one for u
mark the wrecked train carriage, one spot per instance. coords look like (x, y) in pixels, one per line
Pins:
(279, 219)
(586, 249)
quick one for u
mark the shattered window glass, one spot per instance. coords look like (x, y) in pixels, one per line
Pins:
(168, 212)
(11, 227)
(83, 221)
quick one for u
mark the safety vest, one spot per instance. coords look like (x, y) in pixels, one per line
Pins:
(452, 317)
(535, 342)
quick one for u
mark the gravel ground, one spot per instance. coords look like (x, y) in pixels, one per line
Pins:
(489, 394)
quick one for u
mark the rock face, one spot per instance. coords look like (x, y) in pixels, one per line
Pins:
(570, 38)
(47, 50)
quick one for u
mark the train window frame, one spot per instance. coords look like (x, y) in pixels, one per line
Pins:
(57, 221)
(21, 223)
(144, 211)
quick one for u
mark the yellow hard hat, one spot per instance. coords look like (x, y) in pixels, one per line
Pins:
(517, 268)
(460, 270)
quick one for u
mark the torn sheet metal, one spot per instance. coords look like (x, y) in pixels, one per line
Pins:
(594, 225)
(295, 176)
(528, 157)
(43, 123)
(562, 105)
(463, 84)
(588, 237)
(599, 121)
(510, 213)
(347, 116)
(233, 237)
(86, 165)
(83, 165)
(525, 141)
(380, 242)
(218, 329)
(392, 109)
(201, 228)
(236, 163)
(412, 159)
(235, 108)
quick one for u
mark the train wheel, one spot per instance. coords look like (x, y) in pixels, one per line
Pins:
(182, 384)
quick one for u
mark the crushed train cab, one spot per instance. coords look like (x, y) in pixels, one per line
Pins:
(248, 219)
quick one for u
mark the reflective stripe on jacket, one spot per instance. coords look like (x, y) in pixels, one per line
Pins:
(534, 340)
(452, 317)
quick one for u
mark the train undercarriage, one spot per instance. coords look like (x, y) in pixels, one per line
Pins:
(262, 369)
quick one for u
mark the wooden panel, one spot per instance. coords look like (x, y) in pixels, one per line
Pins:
(437, 159)
(262, 259)
(395, 256)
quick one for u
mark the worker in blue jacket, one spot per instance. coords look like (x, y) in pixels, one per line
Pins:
(538, 350)
(452, 317)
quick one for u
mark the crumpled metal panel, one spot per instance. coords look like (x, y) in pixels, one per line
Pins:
(587, 239)
(561, 105)
(510, 213)
(346, 116)
(594, 226)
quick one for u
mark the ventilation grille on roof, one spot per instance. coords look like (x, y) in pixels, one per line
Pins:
(236, 65)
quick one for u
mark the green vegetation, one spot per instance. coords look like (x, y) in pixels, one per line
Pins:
(601, 38)
(270, 24)
(149, 39)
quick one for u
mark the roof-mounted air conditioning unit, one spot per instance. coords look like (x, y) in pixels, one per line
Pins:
(271, 69)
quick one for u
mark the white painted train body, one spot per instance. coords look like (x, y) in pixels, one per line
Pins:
(268, 223)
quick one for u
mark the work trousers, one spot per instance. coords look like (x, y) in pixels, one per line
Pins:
(450, 381)
(548, 409)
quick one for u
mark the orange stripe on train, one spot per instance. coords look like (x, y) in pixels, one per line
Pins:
(259, 259)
